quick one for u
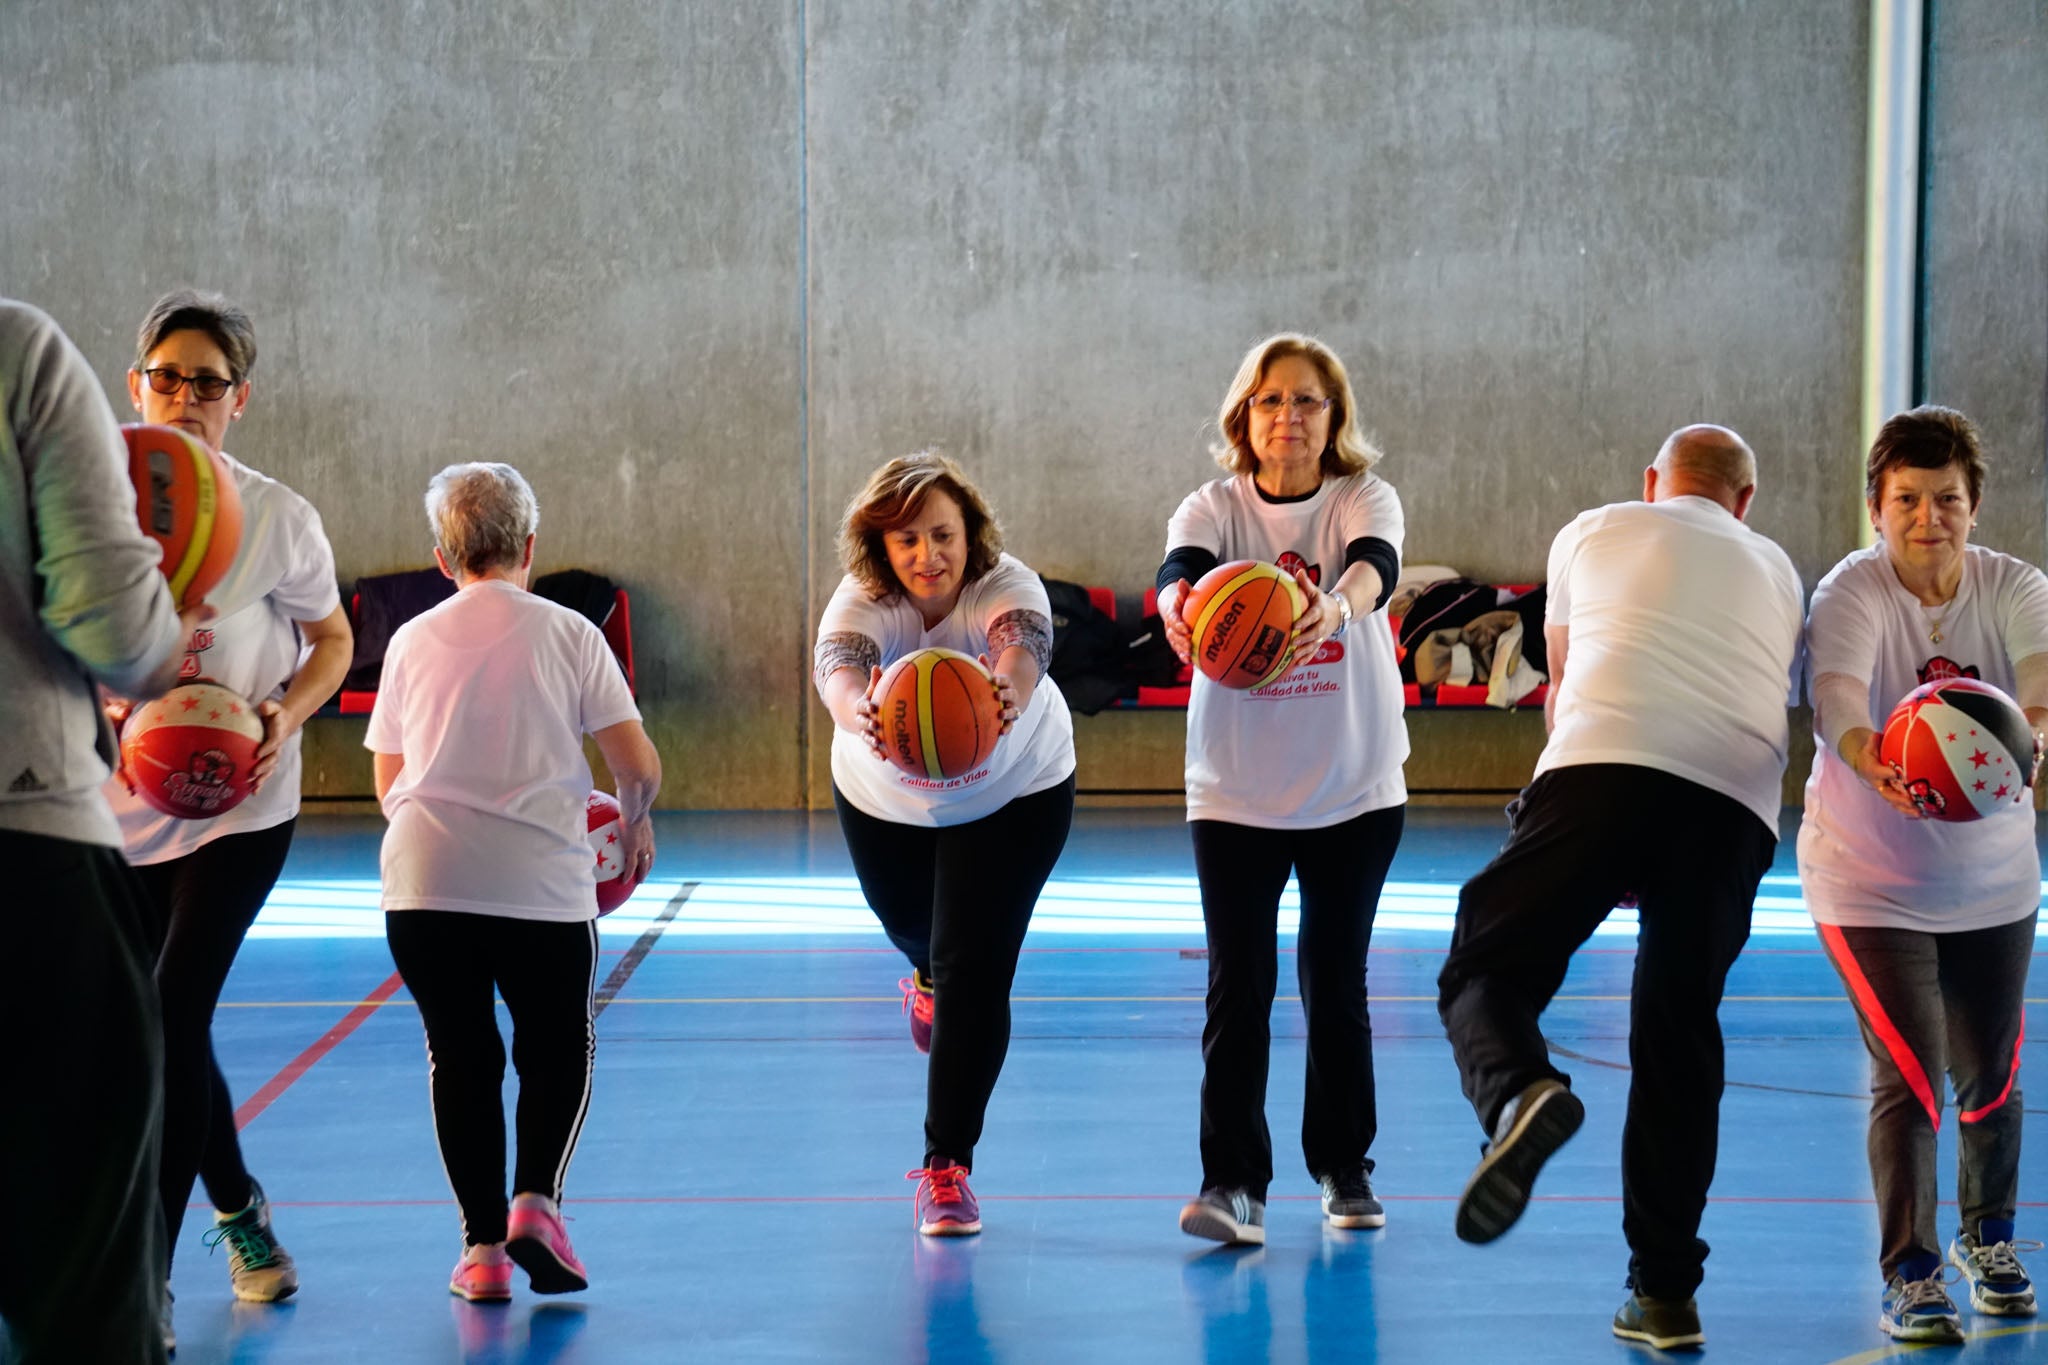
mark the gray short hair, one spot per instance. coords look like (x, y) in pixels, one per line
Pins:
(481, 515)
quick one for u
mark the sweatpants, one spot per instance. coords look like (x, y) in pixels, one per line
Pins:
(1583, 838)
(201, 907)
(956, 901)
(1929, 1004)
(1242, 871)
(455, 964)
(82, 1264)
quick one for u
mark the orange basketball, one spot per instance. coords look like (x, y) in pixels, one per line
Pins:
(186, 500)
(1240, 615)
(940, 718)
(189, 753)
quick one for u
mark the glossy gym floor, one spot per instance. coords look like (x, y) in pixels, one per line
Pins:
(738, 1195)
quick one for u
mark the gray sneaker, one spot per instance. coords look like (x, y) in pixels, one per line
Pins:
(1226, 1215)
(1348, 1201)
(1998, 1283)
(260, 1270)
(1666, 1324)
(1530, 1129)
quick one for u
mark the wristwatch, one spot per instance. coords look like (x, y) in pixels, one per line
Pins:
(1344, 610)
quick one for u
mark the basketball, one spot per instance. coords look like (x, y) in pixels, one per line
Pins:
(607, 825)
(1240, 615)
(939, 713)
(186, 501)
(189, 753)
(1964, 747)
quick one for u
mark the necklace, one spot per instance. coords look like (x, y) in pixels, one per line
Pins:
(1934, 626)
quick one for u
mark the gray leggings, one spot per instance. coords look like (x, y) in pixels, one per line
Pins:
(1928, 1004)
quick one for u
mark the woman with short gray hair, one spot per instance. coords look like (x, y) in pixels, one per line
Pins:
(488, 883)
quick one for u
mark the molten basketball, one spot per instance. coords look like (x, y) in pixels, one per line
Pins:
(607, 826)
(189, 753)
(939, 713)
(186, 500)
(1964, 747)
(1240, 615)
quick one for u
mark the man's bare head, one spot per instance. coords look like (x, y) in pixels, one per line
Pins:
(1703, 461)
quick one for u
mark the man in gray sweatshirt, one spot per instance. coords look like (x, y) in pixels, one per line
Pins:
(81, 597)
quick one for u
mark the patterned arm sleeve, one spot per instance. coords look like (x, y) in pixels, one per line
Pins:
(844, 649)
(1028, 630)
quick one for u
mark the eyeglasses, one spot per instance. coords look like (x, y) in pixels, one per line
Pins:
(207, 388)
(1302, 405)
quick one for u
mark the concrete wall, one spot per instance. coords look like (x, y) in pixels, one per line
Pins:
(698, 269)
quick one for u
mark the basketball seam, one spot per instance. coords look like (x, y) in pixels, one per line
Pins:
(199, 537)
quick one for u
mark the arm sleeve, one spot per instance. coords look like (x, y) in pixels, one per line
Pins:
(2024, 622)
(386, 732)
(103, 597)
(1840, 704)
(1841, 635)
(853, 633)
(606, 699)
(1557, 597)
(1385, 561)
(307, 592)
(1186, 561)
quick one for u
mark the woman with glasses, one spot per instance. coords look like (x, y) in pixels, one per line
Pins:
(1302, 775)
(953, 874)
(281, 639)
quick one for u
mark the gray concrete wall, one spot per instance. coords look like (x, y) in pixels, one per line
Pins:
(1985, 264)
(698, 269)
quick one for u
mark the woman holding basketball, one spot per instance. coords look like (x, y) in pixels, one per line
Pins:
(1302, 775)
(488, 882)
(951, 870)
(281, 639)
(1930, 923)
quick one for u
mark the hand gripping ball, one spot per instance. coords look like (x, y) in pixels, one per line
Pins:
(607, 825)
(190, 752)
(939, 714)
(1240, 616)
(1965, 749)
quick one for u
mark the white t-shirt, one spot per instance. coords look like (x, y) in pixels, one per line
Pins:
(283, 573)
(1684, 637)
(488, 696)
(1037, 753)
(1861, 863)
(1326, 742)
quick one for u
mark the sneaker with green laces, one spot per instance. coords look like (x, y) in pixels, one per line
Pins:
(260, 1270)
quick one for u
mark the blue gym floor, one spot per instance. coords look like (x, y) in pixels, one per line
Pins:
(738, 1195)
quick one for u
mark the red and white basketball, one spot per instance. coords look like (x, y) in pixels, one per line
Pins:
(1240, 616)
(607, 825)
(186, 500)
(1964, 747)
(190, 752)
(939, 713)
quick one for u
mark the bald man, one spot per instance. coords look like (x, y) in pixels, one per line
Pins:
(1673, 632)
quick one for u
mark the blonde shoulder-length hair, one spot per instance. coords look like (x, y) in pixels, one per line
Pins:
(895, 495)
(1350, 450)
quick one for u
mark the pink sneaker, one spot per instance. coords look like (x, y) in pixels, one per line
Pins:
(917, 1003)
(537, 1242)
(945, 1206)
(483, 1275)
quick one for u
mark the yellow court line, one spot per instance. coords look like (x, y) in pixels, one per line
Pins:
(1900, 1348)
(1023, 1000)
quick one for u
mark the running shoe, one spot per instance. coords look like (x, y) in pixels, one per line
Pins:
(1998, 1284)
(917, 1003)
(1348, 1201)
(538, 1244)
(1920, 1309)
(1666, 1324)
(1529, 1131)
(1234, 1217)
(483, 1275)
(944, 1206)
(260, 1269)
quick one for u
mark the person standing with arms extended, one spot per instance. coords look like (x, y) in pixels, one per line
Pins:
(1930, 923)
(1300, 776)
(1673, 631)
(489, 890)
(282, 640)
(953, 874)
(82, 1265)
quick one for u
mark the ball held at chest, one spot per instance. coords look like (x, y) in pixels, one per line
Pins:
(190, 752)
(939, 714)
(1240, 616)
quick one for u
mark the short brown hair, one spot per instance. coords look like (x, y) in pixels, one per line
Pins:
(1350, 450)
(1926, 437)
(895, 495)
(188, 310)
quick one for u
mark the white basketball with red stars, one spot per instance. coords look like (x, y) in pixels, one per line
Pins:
(607, 838)
(190, 752)
(1964, 748)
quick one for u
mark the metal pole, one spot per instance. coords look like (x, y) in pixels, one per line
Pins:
(1891, 222)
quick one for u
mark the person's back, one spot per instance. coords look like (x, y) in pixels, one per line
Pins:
(1684, 633)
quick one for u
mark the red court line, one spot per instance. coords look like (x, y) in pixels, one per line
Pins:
(321, 1046)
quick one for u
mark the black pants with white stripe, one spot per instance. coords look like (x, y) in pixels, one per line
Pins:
(456, 964)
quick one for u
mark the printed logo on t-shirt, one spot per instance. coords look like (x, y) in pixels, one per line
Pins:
(1289, 562)
(1941, 668)
(202, 640)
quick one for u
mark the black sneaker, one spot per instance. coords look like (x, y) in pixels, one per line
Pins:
(1226, 1215)
(1348, 1201)
(1534, 1125)
(1666, 1324)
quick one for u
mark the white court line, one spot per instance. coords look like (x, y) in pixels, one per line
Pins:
(321, 908)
